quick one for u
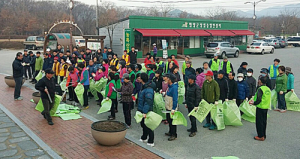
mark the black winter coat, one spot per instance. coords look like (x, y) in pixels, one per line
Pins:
(193, 95)
(133, 56)
(26, 59)
(232, 89)
(18, 69)
(224, 88)
(252, 86)
(158, 82)
(32, 60)
(45, 82)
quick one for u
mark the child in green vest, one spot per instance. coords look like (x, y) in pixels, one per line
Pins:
(110, 93)
(150, 72)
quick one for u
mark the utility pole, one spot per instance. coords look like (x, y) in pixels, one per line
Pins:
(254, 14)
(97, 17)
(71, 5)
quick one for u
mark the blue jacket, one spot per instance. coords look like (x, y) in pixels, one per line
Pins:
(173, 92)
(104, 56)
(47, 63)
(188, 72)
(290, 82)
(92, 69)
(137, 87)
(146, 97)
(243, 90)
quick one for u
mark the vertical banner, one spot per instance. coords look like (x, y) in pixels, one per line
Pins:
(164, 47)
(127, 39)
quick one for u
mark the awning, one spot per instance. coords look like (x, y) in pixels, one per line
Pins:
(192, 32)
(220, 32)
(158, 32)
(242, 32)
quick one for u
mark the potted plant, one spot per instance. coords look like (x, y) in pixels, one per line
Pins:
(36, 96)
(109, 133)
(9, 80)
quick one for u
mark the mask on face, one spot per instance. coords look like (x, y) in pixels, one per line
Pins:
(240, 79)
(263, 75)
(249, 74)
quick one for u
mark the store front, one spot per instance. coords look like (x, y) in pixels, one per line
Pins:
(182, 36)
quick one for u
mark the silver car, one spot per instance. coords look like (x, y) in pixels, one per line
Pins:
(222, 49)
(273, 42)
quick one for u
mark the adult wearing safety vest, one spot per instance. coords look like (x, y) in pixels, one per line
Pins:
(160, 64)
(84, 80)
(130, 70)
(273, 69)
(262, 101)
(167, 64)
(115, 61)
(111, 94)
(226, 66)
(150, 72)
(214, 65)
(187, 58)
(126, 57)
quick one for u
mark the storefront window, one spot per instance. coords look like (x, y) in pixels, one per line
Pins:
(194, 42)
(137, 42)
(239, 40)
(146, 45)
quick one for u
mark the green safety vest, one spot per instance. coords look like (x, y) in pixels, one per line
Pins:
(150, 72)
(266, 98)
(272, 71)
(228, 68)
(130, 74)
(215, 65)
(167, 66)
(113, 94)
(158, 64)
(183, 68)
(118, 83)
(135, 74)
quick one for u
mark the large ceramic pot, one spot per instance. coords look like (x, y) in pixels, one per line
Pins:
(109, 133)
(9, 80)
(36, 96)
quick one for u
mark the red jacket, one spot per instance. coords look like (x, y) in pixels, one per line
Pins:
(73, 77)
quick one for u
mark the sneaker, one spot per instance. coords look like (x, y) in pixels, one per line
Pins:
(152, 145)
(144, 141)
(207, 125)
(167, 134)
(50, 123)
(172, 138)
(192, 134)
(276, 109)
(111, 118)
(212, 127)
(282, 111)
(43, 115)
(85, 108)
(259, 138)
(17, 99)
(116, 111)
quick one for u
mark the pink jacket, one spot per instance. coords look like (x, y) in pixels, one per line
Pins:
(106, 71)
(200, 79)
(98, 76)
(123, 70)
(164, 86)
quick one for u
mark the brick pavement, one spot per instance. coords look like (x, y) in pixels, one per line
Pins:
(70, 139)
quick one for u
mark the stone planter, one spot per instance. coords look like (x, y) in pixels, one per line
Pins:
(36, 96)
(109, 133)
(9, 80)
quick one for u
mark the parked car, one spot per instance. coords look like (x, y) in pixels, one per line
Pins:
(273, 42)
(34, 42)
(283, 43)
(80, 42)
(269, 37)
(222, 49)
(260, 47)
(295, 41)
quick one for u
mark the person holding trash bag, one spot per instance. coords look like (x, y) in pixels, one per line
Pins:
(232, 87)
(126, 91)
(262, 101)
(291, 79)
(110, 93)
(210, 92)
(193, 95)
(97, 77)
(243, 90)
(171, 101)
(84, 80)
(46, 86)
(145, 104)
(71, 85)
(281, 89)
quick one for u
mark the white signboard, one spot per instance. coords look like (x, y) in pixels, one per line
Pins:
(164, 46)
(94, 45)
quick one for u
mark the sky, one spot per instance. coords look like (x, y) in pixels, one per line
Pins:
(197, 6)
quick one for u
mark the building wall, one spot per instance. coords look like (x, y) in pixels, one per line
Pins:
(118, 37)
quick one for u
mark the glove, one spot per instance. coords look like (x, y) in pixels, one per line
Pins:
(144, 115)
(281, 92)
(160, 91)
(246, 99)
(185, 106)
(163, 93)
(292, 90)
(234, 100)
(172, 112)
(79, 83)
(23, 64)
(196, 108)
(226, 100)
(216, 102)
(106, 98)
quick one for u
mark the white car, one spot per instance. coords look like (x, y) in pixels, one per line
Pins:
(260, 47)
(80, 42)
(269, 37)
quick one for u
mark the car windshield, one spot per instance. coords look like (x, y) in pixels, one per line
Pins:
(268, 40)
(212, 45)
(82, 41)
(255, 44)
(40, 38)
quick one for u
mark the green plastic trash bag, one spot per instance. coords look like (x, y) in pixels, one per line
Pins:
(218, 116)
(203, 110)
(70, 116)
(152, 120)
(232, 115)
(58, 80)
(273, 99)
(138, 116)
(31, 100)
(144, 69)
(159, 105)
(178, 119)
(63, 85)
(93, 89)
(100, 85)
(292, 101)
(247, 118)
(181, 92)
(79, 90)
(103, 94)
(105, 106)
(39, 76)
(56, 101)
(180, 99)
(247, 109)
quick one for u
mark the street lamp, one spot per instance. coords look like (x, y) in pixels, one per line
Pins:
(71, 6)
(254, 15)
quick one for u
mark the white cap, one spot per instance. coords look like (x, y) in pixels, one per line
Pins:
(68, 61)
(216, 54)
(240, 75)
(48, 49)
(154, 44)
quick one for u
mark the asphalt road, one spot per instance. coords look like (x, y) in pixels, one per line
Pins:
(282, 130)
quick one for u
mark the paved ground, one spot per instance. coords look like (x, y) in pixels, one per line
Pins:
(15, 143)
(282, 142)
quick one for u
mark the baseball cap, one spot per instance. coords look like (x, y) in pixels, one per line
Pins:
(240, 75)
(125, 75)
(48, 49)
(209, 73)
(49, 71)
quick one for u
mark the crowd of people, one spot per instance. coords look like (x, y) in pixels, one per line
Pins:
(126, 78)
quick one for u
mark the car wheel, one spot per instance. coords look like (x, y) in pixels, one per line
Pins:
(223, 55)
(249, 52)
(272, 51)
(33, 47)
(208, 56)
(237, 53)
(263, 52)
